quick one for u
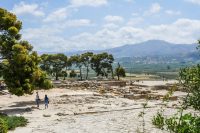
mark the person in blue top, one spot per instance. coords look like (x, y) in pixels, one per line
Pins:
(46, 101)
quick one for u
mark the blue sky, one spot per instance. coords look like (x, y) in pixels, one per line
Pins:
(67, 25)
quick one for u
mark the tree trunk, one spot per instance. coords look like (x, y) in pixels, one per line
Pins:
(80, 73)
(65, 73)
(112, 73)
(56, 76)
(118, 77)
(87, 73)
(104, 73)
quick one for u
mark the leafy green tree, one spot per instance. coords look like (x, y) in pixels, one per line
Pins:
(78, 62)
(45, 64)
(86, 58)
(120, 71)
(19, 63)
(72, 74)
(64, 74)
(102, 64)
(54, 64)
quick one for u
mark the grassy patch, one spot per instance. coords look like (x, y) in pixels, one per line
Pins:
(14, 121)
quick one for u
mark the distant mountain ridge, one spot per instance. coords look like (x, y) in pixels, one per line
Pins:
(151, 48)
(147, 48)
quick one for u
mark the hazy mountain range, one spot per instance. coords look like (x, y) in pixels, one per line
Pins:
(148, 48)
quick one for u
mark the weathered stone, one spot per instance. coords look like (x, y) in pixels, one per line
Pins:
(129, 96)
(61, 114)
(102, 91)
(140, 96)
(115, 83)
(90, 107)
(28, 109)
(45, 115)
(160, 87)
(173, 98)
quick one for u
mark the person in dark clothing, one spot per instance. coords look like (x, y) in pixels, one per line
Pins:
(46, 101)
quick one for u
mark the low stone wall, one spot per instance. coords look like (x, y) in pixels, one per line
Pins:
(160, 87)
(115, 83)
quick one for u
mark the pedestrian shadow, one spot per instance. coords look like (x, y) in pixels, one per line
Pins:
(20, 107)
(15, 111)
(25, 103)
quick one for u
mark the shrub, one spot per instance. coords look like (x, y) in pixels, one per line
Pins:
(14, 121)
(158, 120)
(47, 84)
(3, 126)
(11, 122)
(185, 124)
(189, 124)
(189, 80)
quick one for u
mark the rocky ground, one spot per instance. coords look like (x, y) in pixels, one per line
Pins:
(88, 107)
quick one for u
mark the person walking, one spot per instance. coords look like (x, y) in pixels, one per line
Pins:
(37, 99)
(46, 101)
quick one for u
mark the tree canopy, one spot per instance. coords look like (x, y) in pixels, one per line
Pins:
(54, 64)
(86, 58)
(78, 62)
(18, 62)
(57, 64)
(120, 71)
(102, 64)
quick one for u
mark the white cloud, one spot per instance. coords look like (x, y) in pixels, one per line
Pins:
(58, 15)
(135, 21)
(93, 3)
(110, 26)
(107, 38)
(77, 23)
(171, 12)
(62, 13)
(181, 31)
(23, 8)
(44, 38)
(155, 8)
(135, 14)
(110, 18)
(52, 39)
(49, 37)
(194, 1)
